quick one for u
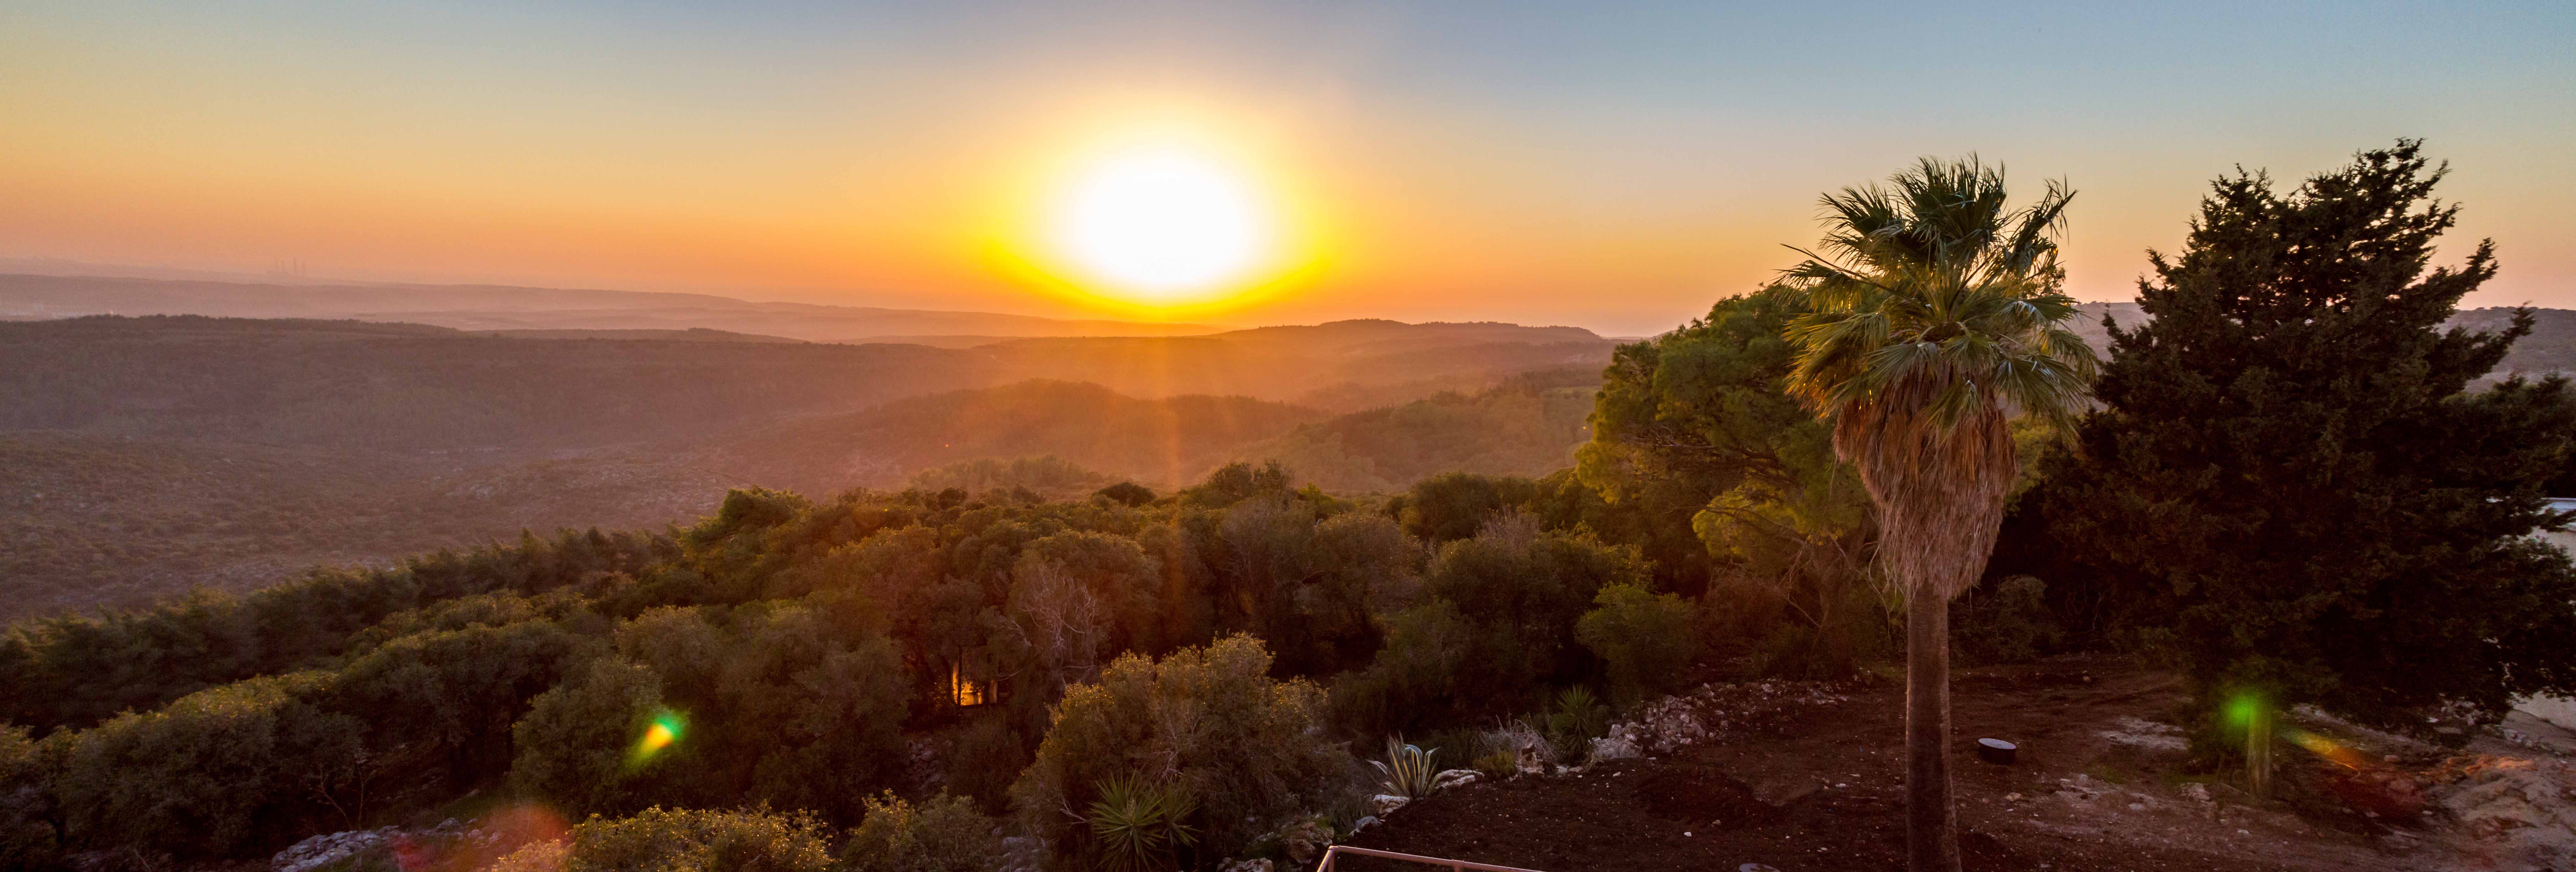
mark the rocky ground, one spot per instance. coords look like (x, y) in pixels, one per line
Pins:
(1805, 776)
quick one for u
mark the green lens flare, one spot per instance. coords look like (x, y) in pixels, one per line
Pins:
(663, 731)
(2241, 710)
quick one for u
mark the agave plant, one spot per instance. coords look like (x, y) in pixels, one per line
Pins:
(1141, 826)
(1408, 769)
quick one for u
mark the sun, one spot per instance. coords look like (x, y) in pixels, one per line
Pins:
(1163, 225)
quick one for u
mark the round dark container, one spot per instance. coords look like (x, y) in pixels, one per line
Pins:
(1996, 750)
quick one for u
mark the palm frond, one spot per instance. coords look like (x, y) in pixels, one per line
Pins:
(1936, 313)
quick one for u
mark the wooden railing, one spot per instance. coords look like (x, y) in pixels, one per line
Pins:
(1460, 865)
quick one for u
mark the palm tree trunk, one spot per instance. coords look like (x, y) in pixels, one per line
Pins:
(1931, 824)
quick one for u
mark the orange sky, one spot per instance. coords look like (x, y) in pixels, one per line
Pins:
(1616, 170)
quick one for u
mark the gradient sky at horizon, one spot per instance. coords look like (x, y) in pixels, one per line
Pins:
(1608, 165)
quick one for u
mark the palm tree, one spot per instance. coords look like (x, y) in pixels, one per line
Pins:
(1936, 317)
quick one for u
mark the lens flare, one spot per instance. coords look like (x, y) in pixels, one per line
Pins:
(2240, 711)
(663, 731)
(2334, 752)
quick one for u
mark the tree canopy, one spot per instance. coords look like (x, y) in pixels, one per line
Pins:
(2291, 487)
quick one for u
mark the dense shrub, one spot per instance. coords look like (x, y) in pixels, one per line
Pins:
(1415, 679)
(1523, 588)
(676, 840)
(1454, 505)
(214, 773)
(1645, 641)
(72, 672)
(452, 696)
(27, 836)
(983, 759)
(1210, 722)
(576, 745)
(2007, 621)
(944, 834)
(1128, 493)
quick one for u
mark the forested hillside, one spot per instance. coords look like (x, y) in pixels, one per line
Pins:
(351, 384)
(1161, 441)
(1528, 426)
(148, 455)
(809, 654)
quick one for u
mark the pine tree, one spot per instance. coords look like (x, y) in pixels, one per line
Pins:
(2294, 489)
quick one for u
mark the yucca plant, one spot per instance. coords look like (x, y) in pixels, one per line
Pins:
(1570, 725)
(1408, 770)
(1141, 826)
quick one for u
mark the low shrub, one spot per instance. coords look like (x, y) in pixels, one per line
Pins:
(681, 840)
(1210, 722)
(945, 834)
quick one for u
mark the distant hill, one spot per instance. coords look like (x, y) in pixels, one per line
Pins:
(1528, 426)
(89, 520)
(1290, 363)
(693, 334)
(142, 455)
(501, 307)
(1158, 441)
(2551, 347)
(353, 384)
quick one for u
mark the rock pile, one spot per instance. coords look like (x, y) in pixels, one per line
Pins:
(329, 848)
(2523, 806)
(1719, 712)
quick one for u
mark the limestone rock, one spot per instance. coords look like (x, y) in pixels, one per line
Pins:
(1449, 778)
(1385, 804)
(330, 848)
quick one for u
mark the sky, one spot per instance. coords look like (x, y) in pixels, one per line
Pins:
(1611, 165)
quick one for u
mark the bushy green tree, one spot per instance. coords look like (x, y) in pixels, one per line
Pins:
(1127, 493)
(579, 740)
(76, 671)
(1209, 722)
(2293, 487)
(686, 840)
(1454, 505)
(942, 834)
(1697, 428)
(451, 696)
(1415, 680)
(212, 774)
(1236, 482)
(1522, 588)
(1646, 641)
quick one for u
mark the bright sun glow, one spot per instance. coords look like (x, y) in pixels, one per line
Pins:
(1163, 225)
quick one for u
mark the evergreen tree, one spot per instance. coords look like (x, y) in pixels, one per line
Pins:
(2292, 487)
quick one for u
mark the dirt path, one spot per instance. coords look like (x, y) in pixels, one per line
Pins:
(1815, 782)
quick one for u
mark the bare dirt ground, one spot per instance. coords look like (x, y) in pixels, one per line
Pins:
(1805, 776)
